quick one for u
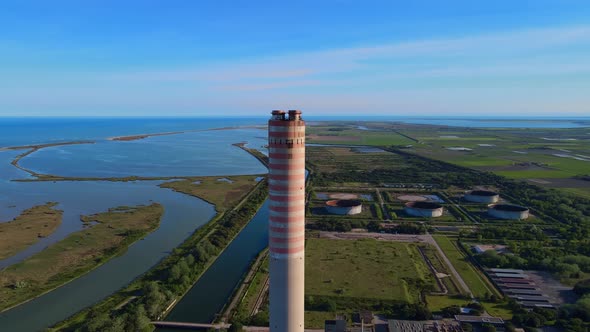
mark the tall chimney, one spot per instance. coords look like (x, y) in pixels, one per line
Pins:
(286, 144)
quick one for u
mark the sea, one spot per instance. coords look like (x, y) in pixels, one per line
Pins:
(16, 131)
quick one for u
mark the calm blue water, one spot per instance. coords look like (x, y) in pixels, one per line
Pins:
(194, 153)
(202, 153)
(214, 288)
(23, 131)
(183, 214)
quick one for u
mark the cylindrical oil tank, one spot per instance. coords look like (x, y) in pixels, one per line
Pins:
(508, 211)
(344, 206)
(424, 209)
(482, 196)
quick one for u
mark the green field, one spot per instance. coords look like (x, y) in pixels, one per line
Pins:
(542, 153)
(364, 269)
(344, 134)
(473, 280)
(317, 319)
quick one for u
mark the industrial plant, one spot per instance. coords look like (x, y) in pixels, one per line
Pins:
(286, 145)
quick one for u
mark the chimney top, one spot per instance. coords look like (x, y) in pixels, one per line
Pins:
(294, 115)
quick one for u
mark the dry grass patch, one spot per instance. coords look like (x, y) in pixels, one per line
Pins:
(104, 236)
(223, 192)
(27, 228)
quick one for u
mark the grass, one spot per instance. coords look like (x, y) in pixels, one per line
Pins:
(335, 159)
(105, 235)
(364, 269)
(254, 289)
(324, 135)
(441, 267)
(584, 192)
(437, 303)
(223, 194)
(26, 229)
(473, 280)
(316, 319)
(535, 174)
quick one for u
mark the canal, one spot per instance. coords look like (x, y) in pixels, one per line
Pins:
(214, 289)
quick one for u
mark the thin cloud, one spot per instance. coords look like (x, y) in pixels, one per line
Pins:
(314, 67)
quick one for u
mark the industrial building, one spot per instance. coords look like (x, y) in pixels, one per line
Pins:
(508, 211)
(482, 196)
(424, 209)
(286, 145)
(394, 325)
(335, 325)
(517, 285)
(344, 206)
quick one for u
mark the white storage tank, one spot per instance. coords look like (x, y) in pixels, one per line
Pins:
(508, 211)
(424, 209)
(344, 206)
(482, 196)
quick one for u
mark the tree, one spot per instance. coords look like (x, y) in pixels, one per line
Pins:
(466, 327)
(260, 319)
(582, 287)
(486, 327)
(374, 226)
(97, 322)
(451, 311)
(154, 299)
(174, 273)
(138, 320)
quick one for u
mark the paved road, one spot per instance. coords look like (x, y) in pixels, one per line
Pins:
(462, 283)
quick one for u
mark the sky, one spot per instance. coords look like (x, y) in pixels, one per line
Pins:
(331, 57)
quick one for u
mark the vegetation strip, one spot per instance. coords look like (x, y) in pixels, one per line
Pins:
(244, 287)
(104, 236)
(28, 228)
(150, 295)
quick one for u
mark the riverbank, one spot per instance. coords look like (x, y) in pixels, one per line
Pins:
(249, 298)
(223, 192)
(28, 228)
(105, 235)
(158, 289)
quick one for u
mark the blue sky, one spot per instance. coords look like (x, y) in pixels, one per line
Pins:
(190, 58)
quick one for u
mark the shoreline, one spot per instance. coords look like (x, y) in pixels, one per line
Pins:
(142, 136)
(120, 249)
(27, 228)
(114, 300)
(35, 148)
(121, 296)
(32, 148)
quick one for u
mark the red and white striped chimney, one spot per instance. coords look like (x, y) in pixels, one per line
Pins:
(286, 144)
